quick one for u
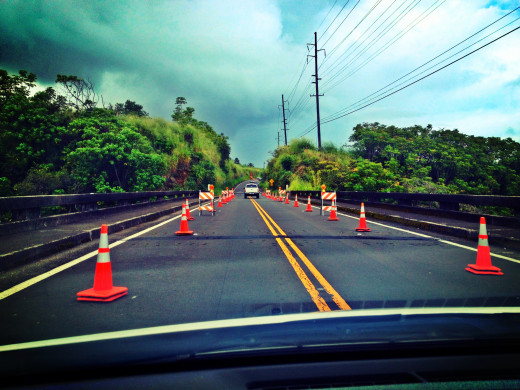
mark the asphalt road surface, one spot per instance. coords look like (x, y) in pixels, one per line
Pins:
(253, 258)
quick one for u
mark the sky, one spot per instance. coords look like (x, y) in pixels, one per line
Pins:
(233, 59)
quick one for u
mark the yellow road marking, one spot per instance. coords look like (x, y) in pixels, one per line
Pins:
(315, 295)
(338, 300)
(326, 285)
(342, 304)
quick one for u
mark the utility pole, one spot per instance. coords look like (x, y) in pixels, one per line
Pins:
(278, 139)
(315, 44)
(284, 121)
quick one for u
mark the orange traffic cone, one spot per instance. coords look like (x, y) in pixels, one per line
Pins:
(362, 221)
(103, 290)
(185, 231)
(309, 208)
(220, 202)
(333, 216)
(483, 266)
(287, 199)
(296, 201)
(188, 215)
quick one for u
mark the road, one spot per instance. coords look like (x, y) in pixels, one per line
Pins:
(253, 258)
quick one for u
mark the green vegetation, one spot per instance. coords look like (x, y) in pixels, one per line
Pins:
(392, 159)
(54, 144)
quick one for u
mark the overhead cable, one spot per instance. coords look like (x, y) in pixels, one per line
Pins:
(336, 117)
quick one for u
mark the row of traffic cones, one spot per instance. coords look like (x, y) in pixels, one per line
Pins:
(222, 200)
(483, 265)
(333, 214)
(104, 290)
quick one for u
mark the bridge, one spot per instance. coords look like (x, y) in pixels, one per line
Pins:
(252, 258)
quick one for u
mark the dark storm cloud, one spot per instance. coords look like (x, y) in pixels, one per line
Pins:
(47, 38)
(221, 56)
(232, 60)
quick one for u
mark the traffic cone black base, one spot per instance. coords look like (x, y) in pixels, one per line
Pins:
(184, 233)
(102, 296)
(483, 264)
(103, 290)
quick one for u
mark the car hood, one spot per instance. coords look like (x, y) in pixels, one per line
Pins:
(295, 333)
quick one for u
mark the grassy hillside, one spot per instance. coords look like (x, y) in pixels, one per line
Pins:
(53, 144)
(193, 158)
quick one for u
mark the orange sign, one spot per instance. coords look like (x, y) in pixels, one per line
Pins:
(272, 182)
(323, 187)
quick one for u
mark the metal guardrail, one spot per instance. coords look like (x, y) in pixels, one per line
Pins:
(30, 207)
(446, 202)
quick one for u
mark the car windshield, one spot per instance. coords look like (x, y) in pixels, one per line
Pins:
(170, 163)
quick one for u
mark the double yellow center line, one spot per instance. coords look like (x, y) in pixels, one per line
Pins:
(314, 293)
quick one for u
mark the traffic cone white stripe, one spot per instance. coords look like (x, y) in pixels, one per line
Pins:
(482, 235)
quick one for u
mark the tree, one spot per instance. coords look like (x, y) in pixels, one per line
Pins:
(80, 93)
(445, 160)
(237, 161)
(111, 155)
(129, 108)
(15, 86)
(32, 129)
(178, 115)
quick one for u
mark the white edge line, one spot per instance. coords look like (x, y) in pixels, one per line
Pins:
(427, 236)
(54, 271)
(219, 324)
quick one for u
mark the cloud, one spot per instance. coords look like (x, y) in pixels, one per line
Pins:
(233, 59)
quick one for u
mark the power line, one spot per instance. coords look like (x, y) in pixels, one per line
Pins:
(356, 26)
(389, 43)
(343, 40)
(422, 78)
(305, 63)
(308, 130)
(303, 111)
(340, 11)
(301, 101)
(331, 35)
(396, 20)
(326, 16)
(439, 55)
